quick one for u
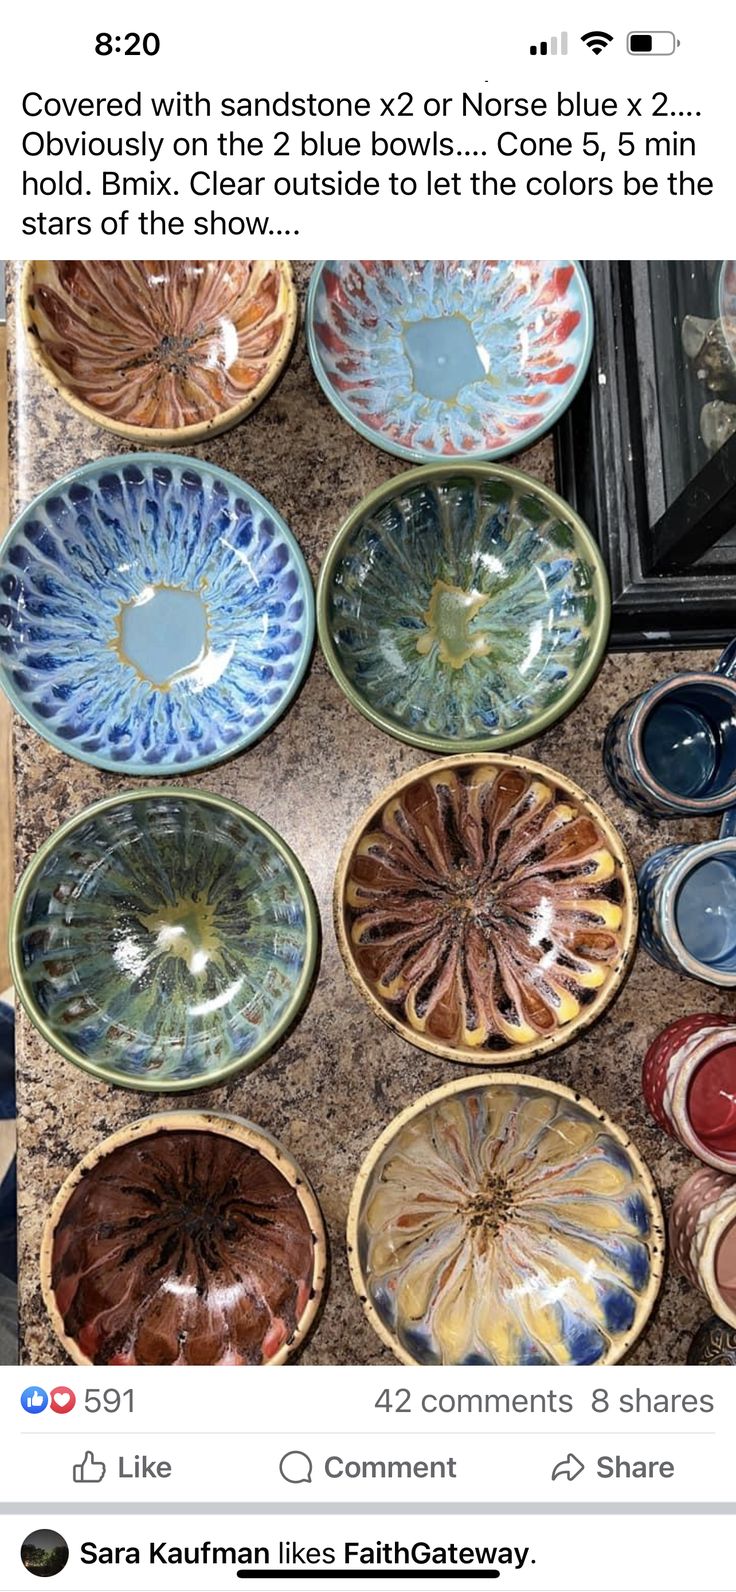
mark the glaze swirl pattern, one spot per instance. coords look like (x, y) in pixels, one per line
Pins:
(463, 609)
(438, 358)
(132, 536)
(182, 1248)
(507, 1224)
(164, 941)
(161, 345)
(484, 909)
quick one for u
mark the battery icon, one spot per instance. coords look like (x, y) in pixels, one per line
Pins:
(661, 43)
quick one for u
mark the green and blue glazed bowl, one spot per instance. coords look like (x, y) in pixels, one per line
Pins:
(164, 939)
(463, 608)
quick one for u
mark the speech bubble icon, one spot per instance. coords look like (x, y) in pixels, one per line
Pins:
(296, 1466)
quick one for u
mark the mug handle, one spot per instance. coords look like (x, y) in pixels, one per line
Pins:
(728, 824)
(727, 662)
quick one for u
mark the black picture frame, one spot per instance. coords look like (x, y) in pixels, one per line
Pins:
(672, 572)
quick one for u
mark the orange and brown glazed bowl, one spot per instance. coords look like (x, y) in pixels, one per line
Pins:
(486, 908)
(187, 1238)
(162, 352)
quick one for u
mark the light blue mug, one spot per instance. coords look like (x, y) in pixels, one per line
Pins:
(687, 898)
(672, 750)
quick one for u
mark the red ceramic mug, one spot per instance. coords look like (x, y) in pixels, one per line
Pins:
(689, 1084)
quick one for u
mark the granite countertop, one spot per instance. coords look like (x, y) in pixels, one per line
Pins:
(339, 1077)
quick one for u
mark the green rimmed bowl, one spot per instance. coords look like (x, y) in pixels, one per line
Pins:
(164, 940)
(463, 608)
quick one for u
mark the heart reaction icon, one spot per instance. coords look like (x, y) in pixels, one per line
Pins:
(62, 1400)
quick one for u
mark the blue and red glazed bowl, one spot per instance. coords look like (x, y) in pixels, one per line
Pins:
(443, 359)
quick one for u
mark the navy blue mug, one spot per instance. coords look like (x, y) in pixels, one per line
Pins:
(687, 900)
(672, 749)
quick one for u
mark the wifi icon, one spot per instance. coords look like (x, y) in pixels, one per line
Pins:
(596, 40)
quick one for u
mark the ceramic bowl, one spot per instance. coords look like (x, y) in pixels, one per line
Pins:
(463, 608)
(163, 352)
(506, 1222)
(185, 1239)
(713, 1344)
(156, 614)
(164, 939)
(486, 908)
(466, 358)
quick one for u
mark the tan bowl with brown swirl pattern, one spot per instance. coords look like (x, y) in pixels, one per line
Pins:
(187, 1238)
(162, 352)
(486, 908)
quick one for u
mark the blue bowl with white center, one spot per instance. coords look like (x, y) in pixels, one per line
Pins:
(156, 614)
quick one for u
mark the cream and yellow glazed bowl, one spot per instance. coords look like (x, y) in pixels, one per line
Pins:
(505, 1221)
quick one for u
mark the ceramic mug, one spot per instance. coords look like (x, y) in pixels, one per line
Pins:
(687, 900)
(689, 1084)
(703, 1238)
(672, 750)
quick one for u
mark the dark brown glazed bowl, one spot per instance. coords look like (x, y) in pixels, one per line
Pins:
(188, 1238)
(163, 352)
(486, 908)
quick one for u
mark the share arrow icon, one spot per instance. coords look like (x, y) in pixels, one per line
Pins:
(569, 1468)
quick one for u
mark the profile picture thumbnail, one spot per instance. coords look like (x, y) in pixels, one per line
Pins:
(44, 1552)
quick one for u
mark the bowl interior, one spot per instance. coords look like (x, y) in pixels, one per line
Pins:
(183, 1247)
(164, 940)
(460, 609)
(507, 1224)
(435, 357)
(156, 614)
(486, 908)
(160, 344)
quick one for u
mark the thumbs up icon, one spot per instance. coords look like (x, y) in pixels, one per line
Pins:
(34, 1400)
(90, 1469)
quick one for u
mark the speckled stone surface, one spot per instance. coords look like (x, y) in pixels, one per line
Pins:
(341, 1075)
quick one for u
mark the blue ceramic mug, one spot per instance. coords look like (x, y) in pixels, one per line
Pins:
(672, 750)
(687, 899)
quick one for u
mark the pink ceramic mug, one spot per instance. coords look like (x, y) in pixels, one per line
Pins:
(689, 1084)
(703, 1238)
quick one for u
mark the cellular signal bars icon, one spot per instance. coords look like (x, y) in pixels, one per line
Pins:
(554, 47)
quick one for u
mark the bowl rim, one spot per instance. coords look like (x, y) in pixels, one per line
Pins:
(165, 436)
(542, 1085)
(417, 455)
(119, 461)
(601, 592)
(150, 1085)
(223, 1124)
(588, 1015)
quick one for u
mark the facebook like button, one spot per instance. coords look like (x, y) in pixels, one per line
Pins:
(34, 1400)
